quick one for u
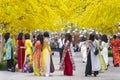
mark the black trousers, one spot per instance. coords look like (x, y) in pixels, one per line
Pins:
(88, 70)
(10, 63)
(60, 53)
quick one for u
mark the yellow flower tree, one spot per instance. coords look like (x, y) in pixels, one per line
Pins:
(102, 15)
(54, 15)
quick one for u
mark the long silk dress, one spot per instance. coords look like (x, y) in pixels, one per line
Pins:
(83, 51)
(115, 44)
(103, 66)
(104, 51)
(45, 58)
(36, 58)
(28, 57)
(21, 54)
(67, 63)
(9, 56)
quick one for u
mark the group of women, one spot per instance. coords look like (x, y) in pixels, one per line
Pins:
(30, 59)
(37, 59)
(95, 53)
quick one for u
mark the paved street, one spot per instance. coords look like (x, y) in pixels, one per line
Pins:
(113, 73)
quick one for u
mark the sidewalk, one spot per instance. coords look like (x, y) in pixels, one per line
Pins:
(113, 73)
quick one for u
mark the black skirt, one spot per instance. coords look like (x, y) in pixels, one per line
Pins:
(88, 70)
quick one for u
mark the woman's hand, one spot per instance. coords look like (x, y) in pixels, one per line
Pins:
(89, 41)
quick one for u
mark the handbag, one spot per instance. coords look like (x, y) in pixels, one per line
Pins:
(52, 69)
(96, 51)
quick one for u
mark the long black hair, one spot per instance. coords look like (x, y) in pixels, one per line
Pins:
(46, 34)
(114, 36)
(68, 37)
(40, 38)
(104, 38)
(6, 36)
(20, 36)
(92, 37)
(27, 36)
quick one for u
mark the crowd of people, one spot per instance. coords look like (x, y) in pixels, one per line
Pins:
(95, 53)
(35, 55)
